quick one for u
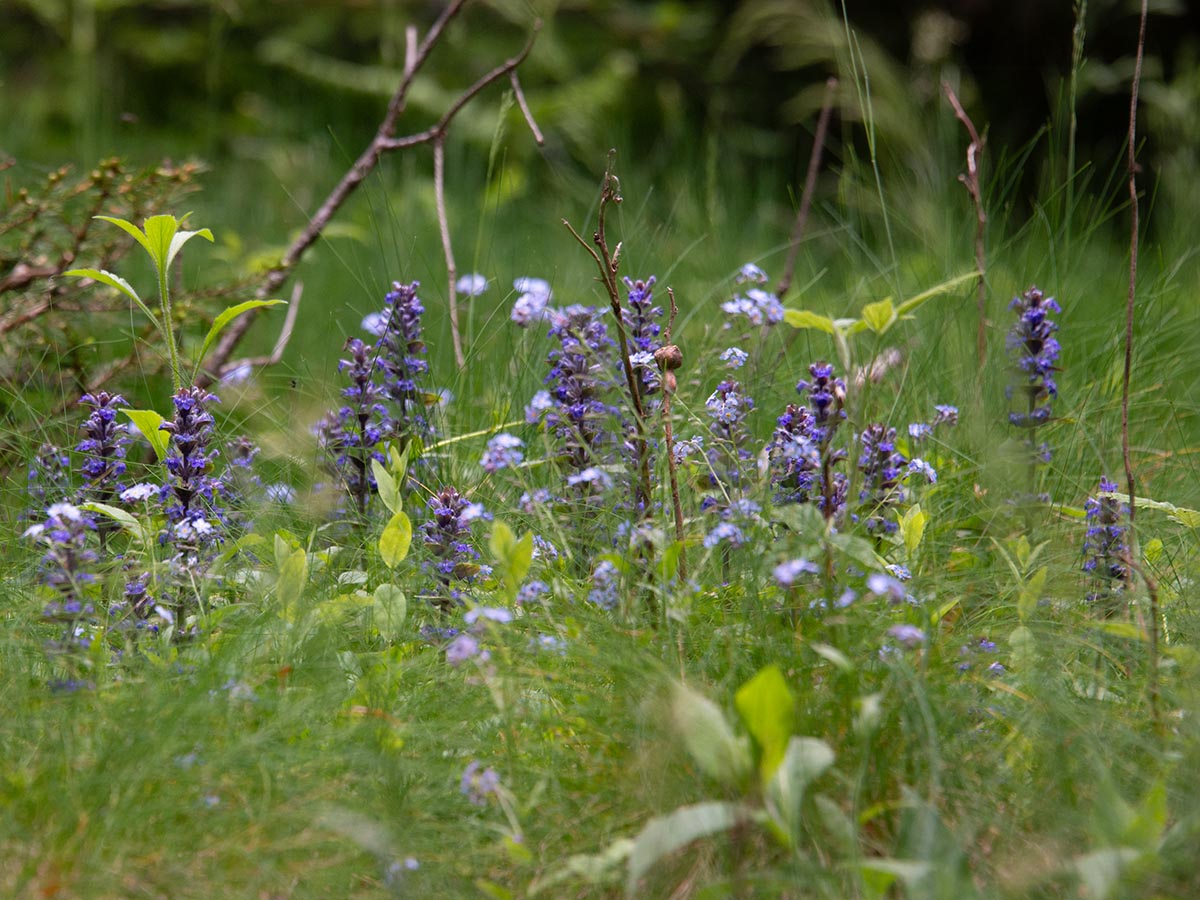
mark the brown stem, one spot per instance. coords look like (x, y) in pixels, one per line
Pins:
(971, 182)
(525, 111)
(669, 384)
(810, 184)
(1130, 480)
(439, 194)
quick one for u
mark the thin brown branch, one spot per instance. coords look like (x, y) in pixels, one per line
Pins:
(1130, 304)
(669, 358)
(439, 194)
(362, 167)
(971, 182)
(810, 185)
(525, 110)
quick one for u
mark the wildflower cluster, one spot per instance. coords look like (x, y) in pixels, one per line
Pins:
(881, 465)
(352, 434)
(400, 352)
(1105, 549)
(104, 447)
(67, 569)
(643, 332)
(191, 491)
(447, 537)
(758, 305)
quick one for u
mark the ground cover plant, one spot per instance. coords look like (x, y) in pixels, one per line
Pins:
(812, 564)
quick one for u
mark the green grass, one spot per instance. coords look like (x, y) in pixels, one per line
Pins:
(293, 751)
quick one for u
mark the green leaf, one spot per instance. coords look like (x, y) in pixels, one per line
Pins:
(802, 318)
(182, 237)
(767, 707)
(501, 542)
(127, 522)
(160, 231)
(389, 611)
(663, 835)
(1030, 594)
(293, 576)
(708, 738)
(395, 540)
(389, 491)
(912, 527)
(879, 317)
(131, 229)
(398, 460)
(148, 422)
(805, 760)
(1101, 870)
(116, 281)
(945, 287)
(226, 317)
(833, 655)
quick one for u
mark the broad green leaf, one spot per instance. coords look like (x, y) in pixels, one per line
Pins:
(805, 760)
(389, 611)
(160, 231)
(116, 281)
(1030, 594)
(945, 287)
(879, 317)
(148, 422)
(1153, 550)
(127, 522)
(293, 576)
(395, 540)
(767, 707)
(802, 318)
(663, 835)
(493, 890)
(502, 541)
(389, 491)
(398, 460)
(668, 562)
(912, 527)
(1186, 517)
(522, 558)
(707, 737)
(227, 316)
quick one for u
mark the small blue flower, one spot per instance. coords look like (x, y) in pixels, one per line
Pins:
(918, 431)
(462, 648)
(725, 533)
(478, 783)
(750, 273)
(503, 452)
(909, 635)
(471, 285)
(787, 573)
(605, 586)
(920, 467)
(734, 357)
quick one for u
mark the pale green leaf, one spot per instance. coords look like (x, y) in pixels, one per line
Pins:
(522, 558)
(225, 317)
(160, 231)
(501, 542)
(663, 835)
(767, 707)
(833, 655)
(805, 760)
(395, 540)
(1031, 593)
(1101, 870)
(181, 238)
(116, 281)
(912, 527)
(708, 738)
(879, 317)
(389, 491)
(136, 233)
(293, 576)
(802, 318)
(389, 611)
(148, 422)
(127, 522)
(398, 460)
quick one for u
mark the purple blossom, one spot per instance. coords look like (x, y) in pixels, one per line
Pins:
(787, 573)
(1105, 548)
(189, 462)
(734, 357)
(886, 586)
(471, 285)
(725, 533)
(945, 415)
(400, 355)
(448, 538)
(478, 783)
(350, 437)
(918, 466)
(1034, 352)
(880, 464)
(530, 591)
(604, 591)
(66, 568)
(496, 614)
(503, 452)
(462, 648)
(750, 273)
(909, 635)
(47, 481)
(918, 431)
(103, 448)
(643, 330)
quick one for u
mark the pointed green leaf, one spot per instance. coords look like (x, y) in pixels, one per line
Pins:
(181, 238)
(293, 576)
(395, 540)
(389, 611)
(912, 527)
(663, 835)
(131, 229)
(160, 231)
(399, 460)
(116, 281)
(501, 541)
(227, 316)
(802, 318)
(945, 287)
(879, 317)
(389, 492)
(522, 558)
(127, 522)
(1030, 594)
(708, 738)
(148, 422)
(767, 707)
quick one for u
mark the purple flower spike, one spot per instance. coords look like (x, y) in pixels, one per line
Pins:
(881, 465)
(189, 462)
(1034, 352)
(1106, 549)
(104, 447)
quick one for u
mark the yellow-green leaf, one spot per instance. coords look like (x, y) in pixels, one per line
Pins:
(395, 540)
(226, 317)
(945, 287)
(879, 317)
(389, 611)
(293, 576)
(148, 422)
(389, 491)
(767, 707)
(116, 281)
(1030, 594)
(912, 527)
(802, 318)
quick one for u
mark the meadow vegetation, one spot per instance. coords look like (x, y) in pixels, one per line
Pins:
(636, 574)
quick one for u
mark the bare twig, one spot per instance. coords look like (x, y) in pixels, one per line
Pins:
(439, 193)
(1130, 480)
(608, 262)
(810, 185)
(525, 111)
(971, 181)
(384, 140)
(670, 358)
